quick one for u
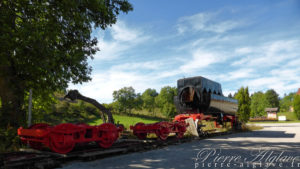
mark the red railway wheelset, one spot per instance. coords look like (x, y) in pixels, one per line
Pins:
(63, 137)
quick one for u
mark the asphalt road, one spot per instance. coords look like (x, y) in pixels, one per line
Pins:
(277, 146)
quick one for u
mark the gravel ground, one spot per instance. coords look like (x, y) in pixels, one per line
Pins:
(277, 146)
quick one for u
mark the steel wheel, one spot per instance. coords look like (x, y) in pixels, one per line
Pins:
(61, 143)
(60, 140)
(108, 133)
(34, 144)
(163, 133)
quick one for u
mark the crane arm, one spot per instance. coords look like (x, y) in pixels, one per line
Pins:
(74, 95)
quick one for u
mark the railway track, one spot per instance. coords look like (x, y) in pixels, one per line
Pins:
(27, 158)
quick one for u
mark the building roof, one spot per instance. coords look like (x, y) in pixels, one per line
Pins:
(298, 91)
(274, 109)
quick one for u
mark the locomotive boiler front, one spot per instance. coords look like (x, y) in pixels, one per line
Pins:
(201, 95)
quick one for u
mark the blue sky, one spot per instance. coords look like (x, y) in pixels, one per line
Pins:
(236, 43)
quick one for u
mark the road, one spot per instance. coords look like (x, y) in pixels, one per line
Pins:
(277, 146)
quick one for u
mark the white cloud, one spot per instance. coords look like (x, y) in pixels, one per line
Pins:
(150, 65)
(273, 65)
(206, 22)
(243, 50)
(110, 50)
(200, 59)
(241, 61)
(223, 26)
(287, 74)
(260, 82)
(237, 74)
(280, 85)
(103, 84)
(123, 39)
(169, 73)
(121, 32)
(268, 54)
(196, 22)
(123, 75)
(195, 60)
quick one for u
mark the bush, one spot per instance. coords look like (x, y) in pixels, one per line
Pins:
(169, 110)
(297, 106)
(9, 141)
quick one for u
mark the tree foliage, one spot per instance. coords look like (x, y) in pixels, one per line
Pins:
(272, 98)
(258, 104)
(125, 97)
(165, 100)
(138, 102)
(286, 102)
(148, 98)
(243, 104)
(45, 44)
(297, 106)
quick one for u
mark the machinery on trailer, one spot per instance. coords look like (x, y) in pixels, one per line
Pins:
(202, 99)
(161, 129)
(63, 137)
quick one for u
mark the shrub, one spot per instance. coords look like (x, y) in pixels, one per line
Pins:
(297, 106)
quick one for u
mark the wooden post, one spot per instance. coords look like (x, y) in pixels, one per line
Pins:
(29, 108)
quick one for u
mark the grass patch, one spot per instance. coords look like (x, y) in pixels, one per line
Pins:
(156, 113)
(290, 116)
(127, 121)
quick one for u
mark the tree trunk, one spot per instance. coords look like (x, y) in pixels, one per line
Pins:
(12, 98)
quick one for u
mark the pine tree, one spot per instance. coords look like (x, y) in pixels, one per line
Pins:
(244, 102)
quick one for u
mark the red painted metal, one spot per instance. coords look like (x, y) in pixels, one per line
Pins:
(63, 137)
(161, 129)
(200, 116)
(194, 116)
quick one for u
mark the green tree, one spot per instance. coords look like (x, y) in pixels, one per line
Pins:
(297, 106)
(258, 104)
(126, 98)
(149, 99)
(272, 98)
(114, 107)
(138, 102)
(45, 44)
(286, 102)
(165, 100)
(243, 104)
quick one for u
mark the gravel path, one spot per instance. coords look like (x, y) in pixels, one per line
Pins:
(277, 146)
